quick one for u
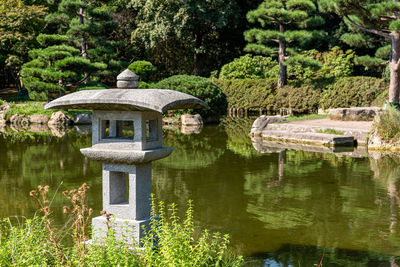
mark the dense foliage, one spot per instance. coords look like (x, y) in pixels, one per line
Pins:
(353, 92)
(380, 18)
(53, 47)
(305, 97)
(248, 93)
(249, 67)
(19, 25)
(387, 127)
(169, 241)
(300, 100)
(283, 23)
(73, 54)
(201, 88)
(143, 68)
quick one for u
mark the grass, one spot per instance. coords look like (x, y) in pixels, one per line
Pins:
(28, 108)
(306, 117)
(330, 131)
(31, 107)
(388, 125)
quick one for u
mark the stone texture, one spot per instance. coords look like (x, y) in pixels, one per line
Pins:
(375, 143)
(38, 119)
(106, 153)
(139, 119)
(19, 120)
(135, 206)
(159, 100)
(128, 231)
(358, 129)
(83, 129)
(128, 84)
(127, 75)
(191, 129)
(266, 146)
(355, 114)
(82, 119)
(60, 118)
(171, 121)
(38, 128)
(4, 108)
(128, 80)
(261, 123)
(191, 120)
(58, 130)
(321, 139)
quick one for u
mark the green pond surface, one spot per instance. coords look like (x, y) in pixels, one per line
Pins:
(290, 209)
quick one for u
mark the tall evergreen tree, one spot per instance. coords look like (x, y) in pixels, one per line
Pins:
(283, 22)
(79, 49)
(380, 18)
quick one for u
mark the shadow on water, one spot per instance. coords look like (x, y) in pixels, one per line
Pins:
(281, 206)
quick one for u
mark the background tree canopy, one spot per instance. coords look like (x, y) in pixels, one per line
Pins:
(56, 46)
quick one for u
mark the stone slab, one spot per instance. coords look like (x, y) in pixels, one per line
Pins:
(354, 113)
(358, 129)
(329, 140)
(159, 100)
(265, 146)
(105, 153)
(262, 122)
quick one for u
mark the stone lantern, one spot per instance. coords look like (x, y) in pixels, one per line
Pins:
(126, 138)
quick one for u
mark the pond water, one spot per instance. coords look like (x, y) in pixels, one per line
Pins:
(292, 208)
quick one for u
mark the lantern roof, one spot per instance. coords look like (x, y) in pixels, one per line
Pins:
(159, 100)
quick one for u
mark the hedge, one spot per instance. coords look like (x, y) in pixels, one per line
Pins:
(248, 93)
(307, 97)
(201, 88)
(301, 100)
(353, 92)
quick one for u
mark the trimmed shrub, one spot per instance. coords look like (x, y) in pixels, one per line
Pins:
(143, 68)
(353, 92)
(301, 100)
(201, 88)
(249, 67)
(249, 93)
(91, 86)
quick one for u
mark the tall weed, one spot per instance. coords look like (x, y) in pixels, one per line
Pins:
(169, 240)
(388, 124)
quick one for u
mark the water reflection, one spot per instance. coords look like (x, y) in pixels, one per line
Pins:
(280, 205)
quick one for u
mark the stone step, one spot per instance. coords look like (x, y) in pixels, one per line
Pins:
(329, 140)
(359, 134)
(266, 146)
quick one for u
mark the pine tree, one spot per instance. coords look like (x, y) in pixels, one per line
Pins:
(54, 68)
(283, 22)
(379, 18)
(79, 49)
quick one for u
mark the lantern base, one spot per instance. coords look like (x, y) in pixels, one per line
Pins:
(130, 232)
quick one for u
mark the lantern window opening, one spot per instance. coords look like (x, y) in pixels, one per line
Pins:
(151, 130)
(117, 129)
(119, 188)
